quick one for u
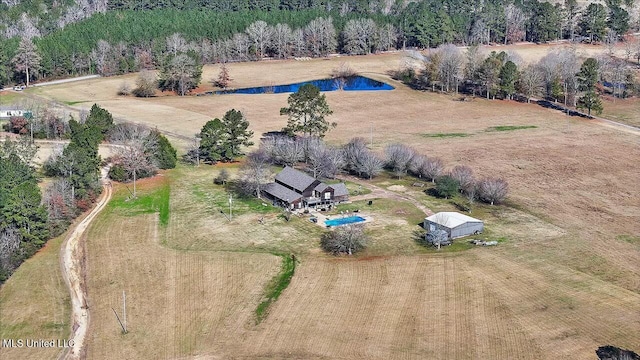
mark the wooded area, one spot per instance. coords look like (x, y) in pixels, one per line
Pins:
(27, 217)
(121, 40)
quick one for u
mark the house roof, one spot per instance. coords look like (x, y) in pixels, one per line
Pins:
(321, 187)
(280, 192)
(451, 219)
(294, 178)
(339, 189)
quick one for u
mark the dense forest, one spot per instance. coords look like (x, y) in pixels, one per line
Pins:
(111, 37)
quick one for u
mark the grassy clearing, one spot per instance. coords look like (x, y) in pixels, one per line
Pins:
(10, 97)
(147, 202)
(445, 135)
(276, 286)
(510, 127)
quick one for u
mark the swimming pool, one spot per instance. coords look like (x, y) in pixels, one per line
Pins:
(353, 83)
(344, 221)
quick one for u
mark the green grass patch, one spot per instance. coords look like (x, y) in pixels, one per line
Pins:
(630, 239)
(71, 103)
(217, 197)
(276, 286)
(10, 97)
(510, 127)
(445, 135)
(147, 202)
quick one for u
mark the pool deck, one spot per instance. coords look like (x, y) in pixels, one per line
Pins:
(322, 217)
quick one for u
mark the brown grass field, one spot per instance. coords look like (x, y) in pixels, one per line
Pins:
(564, 281)
(35, 304)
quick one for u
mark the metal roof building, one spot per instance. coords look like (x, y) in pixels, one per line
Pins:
(455, 224)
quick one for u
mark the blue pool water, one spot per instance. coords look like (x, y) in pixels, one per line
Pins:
(349, 84)
(344, 221)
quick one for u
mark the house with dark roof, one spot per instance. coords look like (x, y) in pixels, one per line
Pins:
(297, 190)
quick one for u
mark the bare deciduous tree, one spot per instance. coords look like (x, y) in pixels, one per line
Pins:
(387, 37)
(9, 245)
(282, 37)
(432, 169)
(134, 161)
(320, 36)
(176, 44)
(182, 75)
(259, 34)
(370, 165)
(417, 164)
(492, 190)
(240, 47)
(298, 43)
(283, 150)
(346, 239)
(103, 57)
(530, 82)
(398, 158)
(60, 204)
(353, 152)
(360, 36)
(610, 41)
(474, 59)
(146, 84)
(255, 172)
(514, 21)
(464, 176)
(27, 59)
(324, 161)
(450, 66)
(616, 71)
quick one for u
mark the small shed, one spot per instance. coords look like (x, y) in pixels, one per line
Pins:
(455, 224)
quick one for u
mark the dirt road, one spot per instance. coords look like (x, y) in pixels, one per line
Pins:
(71, 262)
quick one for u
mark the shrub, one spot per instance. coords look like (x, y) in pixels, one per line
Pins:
(222, 178)
(347, 239)
(165, 154)
(124, 89)
(343, 71)
(118, 173)
(446, 186)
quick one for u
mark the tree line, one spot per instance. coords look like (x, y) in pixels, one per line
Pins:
(121, 41)
(559, 76)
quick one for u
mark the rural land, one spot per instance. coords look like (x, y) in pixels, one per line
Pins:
(285, 180)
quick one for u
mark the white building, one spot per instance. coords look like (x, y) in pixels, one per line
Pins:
(8, 113)
(455, 224)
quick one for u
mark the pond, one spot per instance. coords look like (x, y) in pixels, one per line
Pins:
(354, 83)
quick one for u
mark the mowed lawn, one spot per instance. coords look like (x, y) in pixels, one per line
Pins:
(564, 282)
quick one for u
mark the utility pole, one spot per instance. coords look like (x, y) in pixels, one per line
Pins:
(371, 135)
(230, 203)
(124, 310)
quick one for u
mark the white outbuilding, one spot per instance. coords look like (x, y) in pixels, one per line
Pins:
(455, 224)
